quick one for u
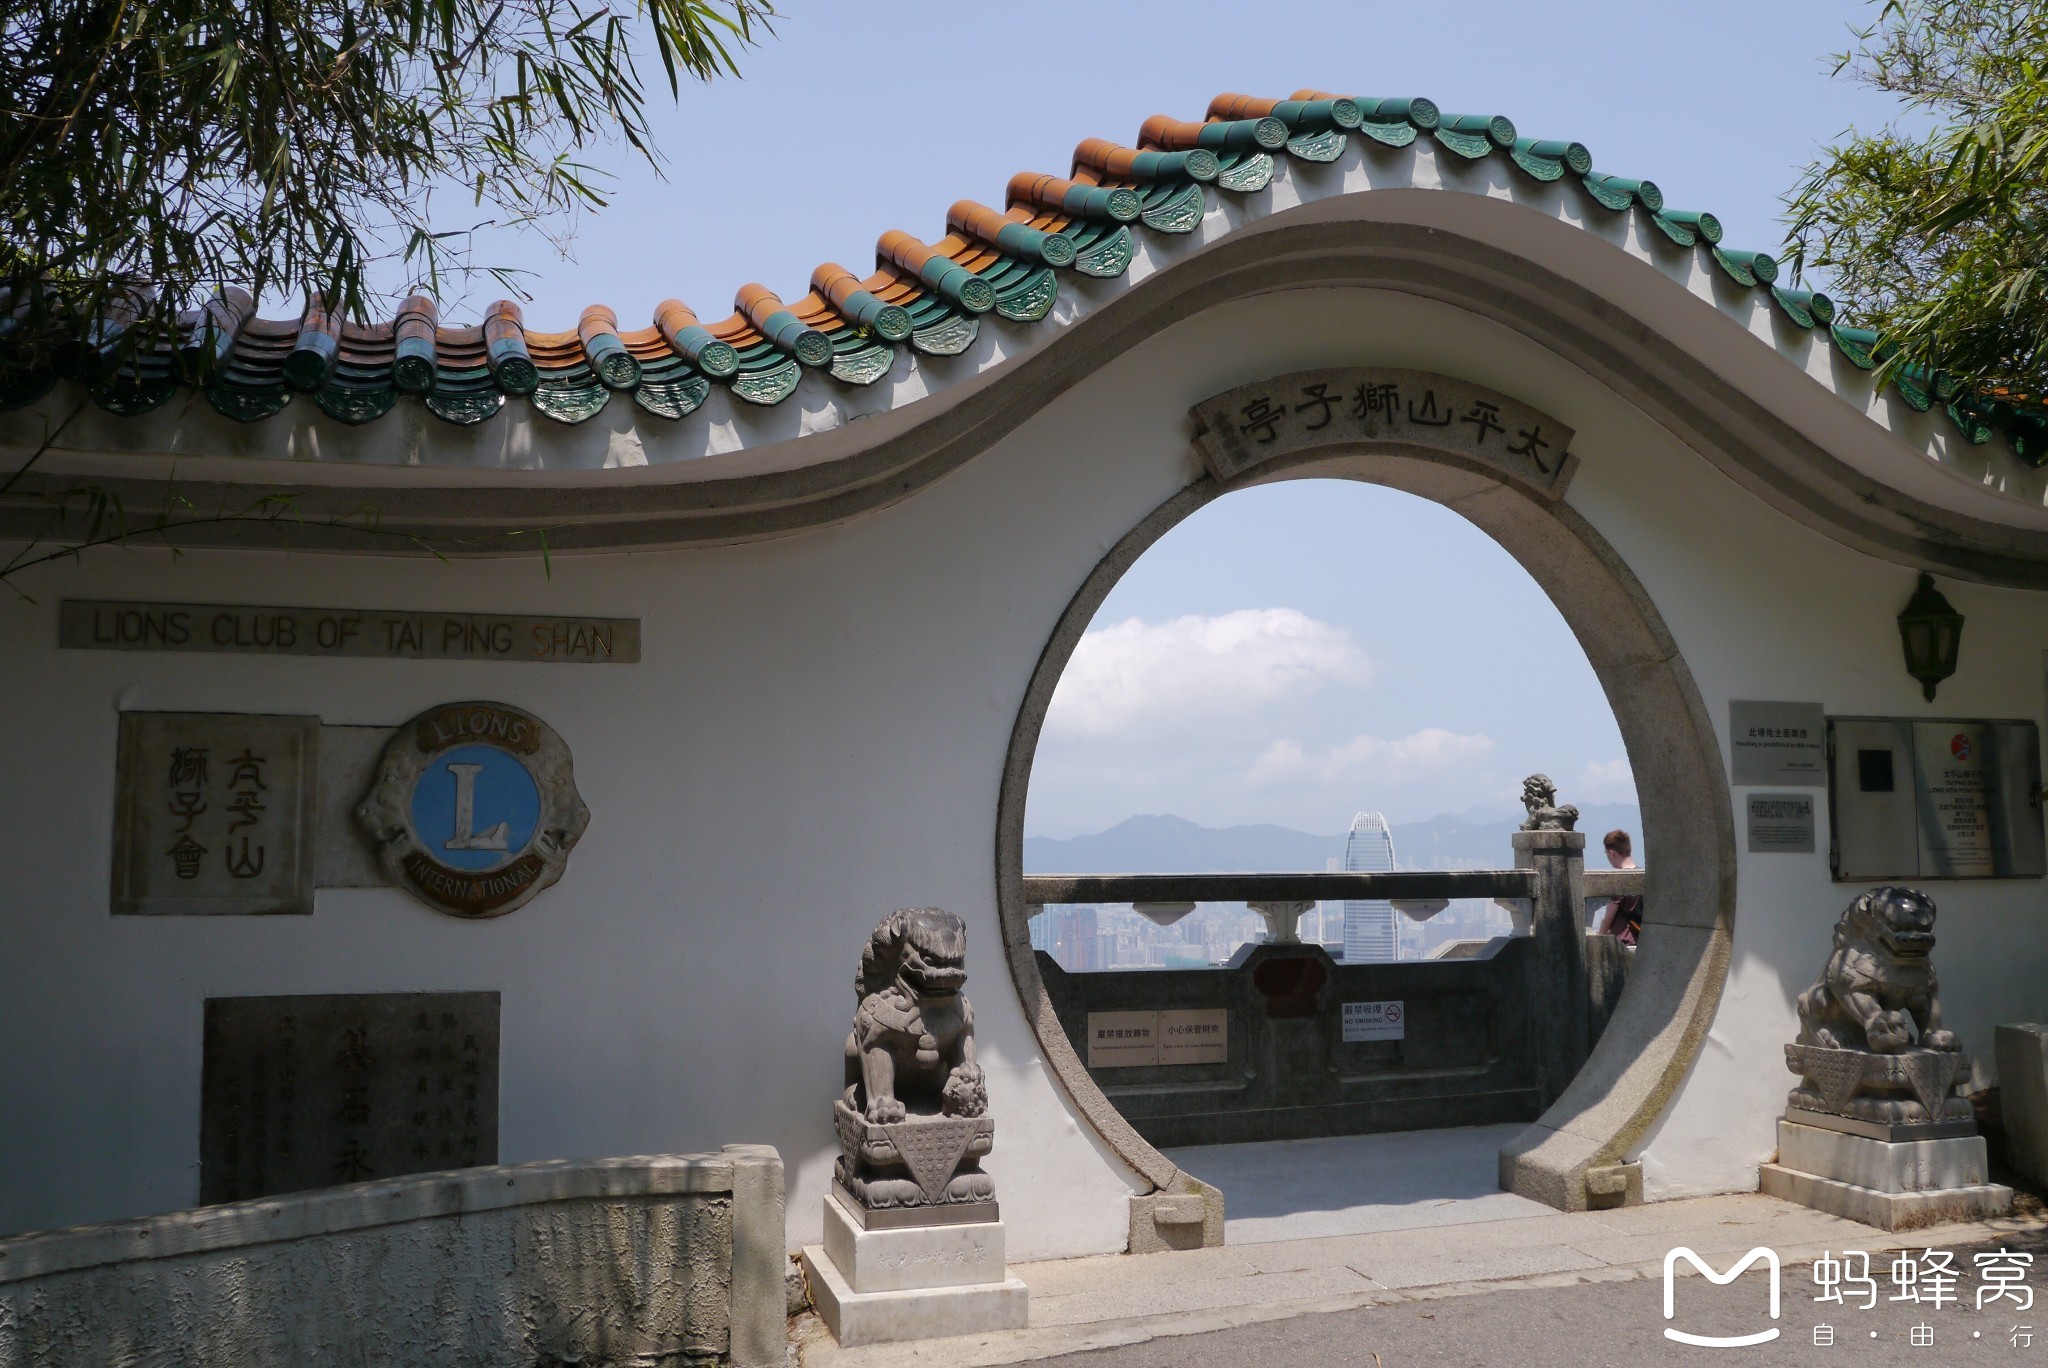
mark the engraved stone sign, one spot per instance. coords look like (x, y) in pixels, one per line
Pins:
(1309, 410)
(311, 1091)
(90, 624)
(1913, 798)
(474, 809)
(1781, 824)
(214, 813)
(1778, 743)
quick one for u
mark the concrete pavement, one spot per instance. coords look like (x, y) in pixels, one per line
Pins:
(1358, 1184)
(1576, 1289)
(1613, 1321)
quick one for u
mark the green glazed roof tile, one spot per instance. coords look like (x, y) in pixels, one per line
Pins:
(355, 373)
(1705, 224)
(1605, 195)
(1471, 146)
(949, 336)
(865, 366)
(1675, 231)
(1973, 423)
(1246, 175)
(473, 406)
(247, 404)
(1029, 298)
(1618, 192)
(1178, 210)
(1108, 257)
(672, 399)
(130, 397)
(1542, 168)
(1747, 268)
(1858, 344)
(1325, 146)
(2029, 436)
(770, 386)
(356, 404)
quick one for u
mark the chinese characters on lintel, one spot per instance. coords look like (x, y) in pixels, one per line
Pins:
(1262, 418)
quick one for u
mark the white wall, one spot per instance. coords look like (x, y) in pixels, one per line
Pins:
(1763, 608)
(815, 736)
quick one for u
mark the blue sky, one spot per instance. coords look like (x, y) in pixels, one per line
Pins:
(1354, 647)
(1297, 652)
(861, 117)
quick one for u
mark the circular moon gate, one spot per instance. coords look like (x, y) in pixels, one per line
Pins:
(1676, 977)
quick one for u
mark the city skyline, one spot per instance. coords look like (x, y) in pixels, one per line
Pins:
(1087, 938)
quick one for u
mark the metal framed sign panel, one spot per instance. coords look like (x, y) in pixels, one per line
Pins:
(1934, 798)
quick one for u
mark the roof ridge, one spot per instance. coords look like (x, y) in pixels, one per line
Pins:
(928, 296)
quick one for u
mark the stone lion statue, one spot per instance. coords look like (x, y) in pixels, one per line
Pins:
(1877, 990)
(1539, 799)
(912, 1046)
(913, 1121)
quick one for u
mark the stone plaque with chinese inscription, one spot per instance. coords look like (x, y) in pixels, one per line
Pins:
(1354, 406)
(214, 813)
(312, 1091)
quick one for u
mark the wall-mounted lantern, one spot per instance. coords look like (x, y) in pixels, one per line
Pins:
(1932, 633)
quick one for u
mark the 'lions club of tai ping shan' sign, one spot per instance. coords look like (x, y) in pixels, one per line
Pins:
(474, 808)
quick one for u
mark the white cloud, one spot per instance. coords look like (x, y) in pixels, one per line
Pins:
(1137, 675)
(1608, 781)
(1430, 751)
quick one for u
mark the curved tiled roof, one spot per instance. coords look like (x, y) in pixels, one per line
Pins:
(929, 297)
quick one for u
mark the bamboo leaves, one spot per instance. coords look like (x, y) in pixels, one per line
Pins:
(150, 153)
(1935, 237)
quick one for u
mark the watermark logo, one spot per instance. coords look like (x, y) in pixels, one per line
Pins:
(1769, 1258)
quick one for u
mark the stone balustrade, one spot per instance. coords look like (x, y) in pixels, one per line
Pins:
(1485, 1037)
(671, 1259)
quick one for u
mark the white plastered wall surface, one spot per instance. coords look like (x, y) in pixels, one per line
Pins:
(815, 736)
(1765, 609)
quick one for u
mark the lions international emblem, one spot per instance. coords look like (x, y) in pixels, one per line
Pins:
(474, 809)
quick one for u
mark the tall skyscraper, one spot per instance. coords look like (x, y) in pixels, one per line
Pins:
(1369, 923)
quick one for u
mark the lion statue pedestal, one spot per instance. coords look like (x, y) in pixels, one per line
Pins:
(913, 1243)
(1877, 1129)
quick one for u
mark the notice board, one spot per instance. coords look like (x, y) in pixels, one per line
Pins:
(1914, 798)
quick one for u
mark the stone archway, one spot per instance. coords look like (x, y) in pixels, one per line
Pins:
(1505, 467)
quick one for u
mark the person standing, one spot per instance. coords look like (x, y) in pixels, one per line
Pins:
(1624, 915)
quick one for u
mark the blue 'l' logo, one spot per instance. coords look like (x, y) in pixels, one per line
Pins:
(475, 807)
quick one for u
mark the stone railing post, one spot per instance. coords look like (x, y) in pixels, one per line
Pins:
(760, 1263)
(1558, 1022)
(1283, 920)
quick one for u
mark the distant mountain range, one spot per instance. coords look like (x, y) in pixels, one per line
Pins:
(1475, 839)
